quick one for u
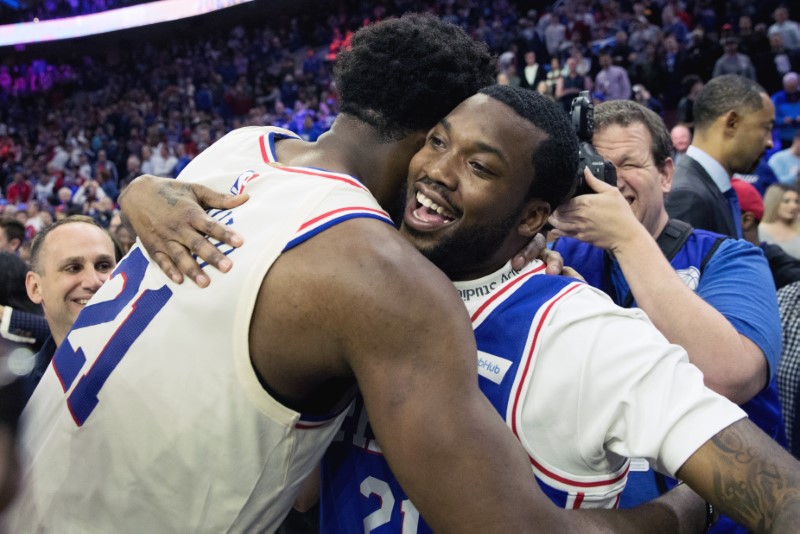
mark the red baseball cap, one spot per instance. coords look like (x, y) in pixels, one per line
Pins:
(749, 198)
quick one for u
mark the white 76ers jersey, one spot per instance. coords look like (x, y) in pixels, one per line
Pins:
(582, 383)
(150, 417)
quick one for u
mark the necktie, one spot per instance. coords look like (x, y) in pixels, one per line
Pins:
(733, 202)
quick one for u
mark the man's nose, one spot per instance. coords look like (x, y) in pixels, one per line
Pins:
(442, 170)
(94, 279)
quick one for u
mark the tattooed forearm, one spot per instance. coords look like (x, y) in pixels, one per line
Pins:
(753, 479)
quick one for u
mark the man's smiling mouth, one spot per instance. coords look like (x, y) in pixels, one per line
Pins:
(427, 208)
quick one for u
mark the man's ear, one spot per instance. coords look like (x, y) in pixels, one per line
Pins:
(533, 218)
(748, 220)
(666, 175)
(33, 285)
(732, 120)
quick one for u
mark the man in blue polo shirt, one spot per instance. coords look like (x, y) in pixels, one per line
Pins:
(710, 294)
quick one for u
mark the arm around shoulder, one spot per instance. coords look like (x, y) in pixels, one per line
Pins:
(412, 350)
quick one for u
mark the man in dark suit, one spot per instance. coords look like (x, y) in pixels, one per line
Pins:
(532, 73)
(733, 129)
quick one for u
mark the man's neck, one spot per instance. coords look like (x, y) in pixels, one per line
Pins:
(751, 235)
(711, 147)
(660, 224)
(493, 262)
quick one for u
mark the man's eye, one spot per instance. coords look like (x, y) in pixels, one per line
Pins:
(478, 168)
(436, 141)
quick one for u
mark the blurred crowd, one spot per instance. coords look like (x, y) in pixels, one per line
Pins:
(74, 132)
(77, 129)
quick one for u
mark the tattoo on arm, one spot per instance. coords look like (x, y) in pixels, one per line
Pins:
(754, 480)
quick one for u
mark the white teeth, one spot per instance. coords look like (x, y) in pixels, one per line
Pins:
(428, 203)
(431, 205)
(83, 301)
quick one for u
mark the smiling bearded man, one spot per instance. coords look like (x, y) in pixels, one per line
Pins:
(584, 384)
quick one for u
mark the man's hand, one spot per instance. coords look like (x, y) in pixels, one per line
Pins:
(603, 219)
(169, 218)
(537, 249)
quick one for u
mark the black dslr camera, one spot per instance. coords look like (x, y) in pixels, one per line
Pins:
(582, 113)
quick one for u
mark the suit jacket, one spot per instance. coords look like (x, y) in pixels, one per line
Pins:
(29, 325)
(697, 200)
(541, 75)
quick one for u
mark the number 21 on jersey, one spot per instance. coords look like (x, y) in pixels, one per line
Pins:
(382, 516)
(68, 360)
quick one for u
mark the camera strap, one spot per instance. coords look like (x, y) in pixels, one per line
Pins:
(673, 237)
(670, 241)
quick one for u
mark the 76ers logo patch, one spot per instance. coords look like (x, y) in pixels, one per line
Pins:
(242, 180)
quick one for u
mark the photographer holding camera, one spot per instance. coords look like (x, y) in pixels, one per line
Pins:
(89, 192)
(711, 294)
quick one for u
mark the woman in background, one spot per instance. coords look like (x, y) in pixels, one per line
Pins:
(779, 224)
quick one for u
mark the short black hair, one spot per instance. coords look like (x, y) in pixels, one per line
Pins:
(555, 160)
(38, 240)
(13, 229)
(403, 75)
(626, 112)
(689, 81)
(726, 93)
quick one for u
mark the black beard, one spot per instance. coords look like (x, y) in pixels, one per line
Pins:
(466, 250)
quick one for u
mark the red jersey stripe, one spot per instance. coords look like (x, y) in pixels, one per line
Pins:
(529, 357)
(577, 484)
(502, 291)
(341, 210)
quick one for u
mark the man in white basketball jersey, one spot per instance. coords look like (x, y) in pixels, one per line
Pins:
(581, 382)
(70, 260)
(584, 384)
(172, 408)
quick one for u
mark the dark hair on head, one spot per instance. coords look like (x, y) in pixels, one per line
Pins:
(13, 229)
(626, 112)
(403, 75)
(689, 81)
(723, 94)
(12, 283)
(555, 160)
(38, 240)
